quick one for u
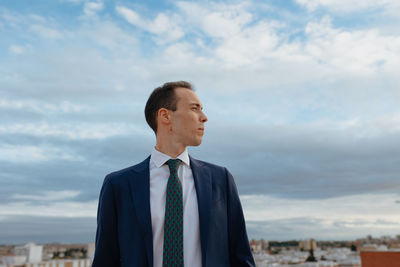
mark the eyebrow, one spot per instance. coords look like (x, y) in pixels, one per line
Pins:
(197, 105)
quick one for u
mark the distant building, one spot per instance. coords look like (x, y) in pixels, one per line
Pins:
(62, 263)
(32, 252)
(53, 263)
(369, 247)
(31, 255)
(29, 252)
(90, 250)
(255, 246)
(264, 244)
(394, 246)
(68, 251)
(14, 260)
(310, 244)
(380, 258)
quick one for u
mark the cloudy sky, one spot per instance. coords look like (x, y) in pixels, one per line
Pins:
(302, 98)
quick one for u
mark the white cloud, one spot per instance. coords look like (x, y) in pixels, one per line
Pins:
(217, 20)
(131, 16)
(38, 18)
(74, 132)
(368, 208)
(48, 196)
(72, 1)
(334, 218)
(241, 39)
(326, 50)
(358, 51)
(11, 19)
(43, 108)
(60, 209)
(388, 124)
(107, 34)
(256, 51)
(30, 153)
(349, 5)
(55, 204)
(384, 9)
(46, 32)
(252, 45)
(92, 8)
(17, 20)
(17, 49)
(166, 28)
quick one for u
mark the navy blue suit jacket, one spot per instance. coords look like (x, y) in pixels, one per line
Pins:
(124, 232)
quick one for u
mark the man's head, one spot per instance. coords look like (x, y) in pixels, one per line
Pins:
(175, 110)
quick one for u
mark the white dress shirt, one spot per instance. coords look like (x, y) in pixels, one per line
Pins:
(159, 174)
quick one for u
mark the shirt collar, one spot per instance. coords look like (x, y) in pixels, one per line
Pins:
(160, 158)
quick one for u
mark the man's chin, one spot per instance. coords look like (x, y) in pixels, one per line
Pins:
(196, 143)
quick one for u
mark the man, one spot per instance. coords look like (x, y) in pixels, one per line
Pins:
(171, 209)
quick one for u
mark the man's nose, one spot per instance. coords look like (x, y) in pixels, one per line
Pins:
(203, 117)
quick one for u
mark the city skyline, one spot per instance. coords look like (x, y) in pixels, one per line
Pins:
(301, 96)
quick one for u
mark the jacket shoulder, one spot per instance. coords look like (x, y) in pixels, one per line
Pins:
(120, 175)
(214, 168)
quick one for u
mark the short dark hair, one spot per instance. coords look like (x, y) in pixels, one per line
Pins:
(162, 97)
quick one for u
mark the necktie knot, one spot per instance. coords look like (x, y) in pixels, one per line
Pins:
(173, 165)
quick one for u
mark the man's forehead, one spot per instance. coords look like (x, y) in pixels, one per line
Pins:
(187, 96)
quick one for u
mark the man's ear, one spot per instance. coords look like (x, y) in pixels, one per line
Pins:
(163, 116)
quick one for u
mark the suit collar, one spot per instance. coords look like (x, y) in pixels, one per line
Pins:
(160, 158)
(142, 166)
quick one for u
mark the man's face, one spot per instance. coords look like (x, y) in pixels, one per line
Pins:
(188, 120)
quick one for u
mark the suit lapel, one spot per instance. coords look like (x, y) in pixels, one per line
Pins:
(202, 181)
(140, 189)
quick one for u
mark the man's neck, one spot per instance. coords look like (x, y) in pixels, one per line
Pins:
(170, 150)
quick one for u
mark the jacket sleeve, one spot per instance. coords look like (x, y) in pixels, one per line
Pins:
(107, 249)
(239, 247)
